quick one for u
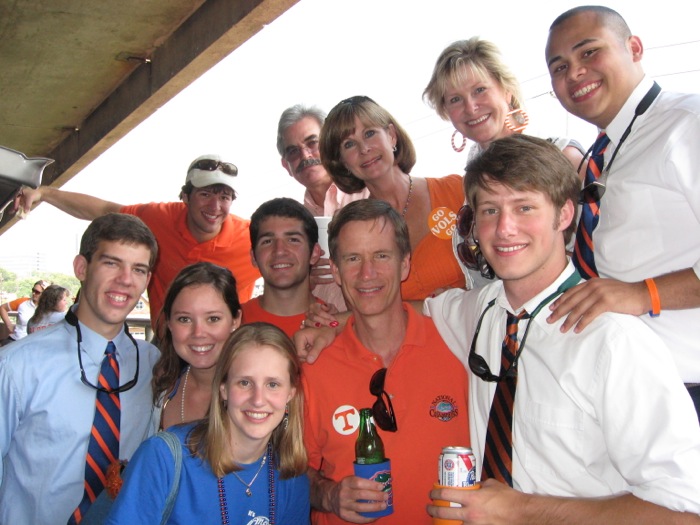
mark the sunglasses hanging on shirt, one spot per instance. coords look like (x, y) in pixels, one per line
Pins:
(479, 366)
(382, 410)
(72, 320)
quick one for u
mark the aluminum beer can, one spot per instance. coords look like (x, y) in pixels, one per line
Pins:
(457, 467)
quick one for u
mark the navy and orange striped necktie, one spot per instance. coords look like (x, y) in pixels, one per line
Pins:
(103, 448)
(498, 455)
(583, 257)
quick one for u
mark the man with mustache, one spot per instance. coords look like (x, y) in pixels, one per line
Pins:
(297, 142)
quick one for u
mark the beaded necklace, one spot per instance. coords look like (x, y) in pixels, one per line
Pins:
(408, 199)
(223, 503)
(182, 396)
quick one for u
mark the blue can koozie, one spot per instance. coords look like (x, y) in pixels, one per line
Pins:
(380, 472)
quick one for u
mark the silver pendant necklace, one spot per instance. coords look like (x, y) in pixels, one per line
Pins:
(249, 492)
(271, 499)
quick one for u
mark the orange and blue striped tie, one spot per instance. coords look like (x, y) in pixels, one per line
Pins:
(498, 455)
(103, 448)
(583, 257)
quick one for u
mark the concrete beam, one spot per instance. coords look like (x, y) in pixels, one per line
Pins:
(215, 30)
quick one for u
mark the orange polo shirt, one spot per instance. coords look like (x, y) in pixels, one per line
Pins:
(428, 389)
(177, 248)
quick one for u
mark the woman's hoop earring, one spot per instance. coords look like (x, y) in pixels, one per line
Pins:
(517, 120)
(285, 420)
(464, 142)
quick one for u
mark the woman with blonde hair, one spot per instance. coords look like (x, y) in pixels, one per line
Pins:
(245, 460)
(362, 145)
(477, 92)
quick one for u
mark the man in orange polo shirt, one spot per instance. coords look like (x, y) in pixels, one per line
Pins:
(426, 383)
(199, 228)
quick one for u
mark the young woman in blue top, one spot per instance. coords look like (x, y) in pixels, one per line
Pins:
(245, 463)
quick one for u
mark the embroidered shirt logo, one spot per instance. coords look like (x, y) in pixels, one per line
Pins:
(444, 408)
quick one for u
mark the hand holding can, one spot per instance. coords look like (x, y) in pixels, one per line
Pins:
(456, 470)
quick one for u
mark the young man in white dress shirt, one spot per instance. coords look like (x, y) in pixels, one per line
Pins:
(602, 426)
(646, 245)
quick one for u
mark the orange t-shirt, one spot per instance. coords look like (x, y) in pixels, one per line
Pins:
(14, 305)
(428, 388)
(177, 248)
(253, 312)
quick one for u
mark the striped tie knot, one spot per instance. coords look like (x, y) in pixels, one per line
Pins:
(600, 144)
(510, 342)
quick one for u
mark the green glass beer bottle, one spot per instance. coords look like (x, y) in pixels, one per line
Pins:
(369, 448)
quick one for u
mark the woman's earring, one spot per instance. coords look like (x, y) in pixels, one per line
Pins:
(517, 120)
(285, 421)
(464, 143)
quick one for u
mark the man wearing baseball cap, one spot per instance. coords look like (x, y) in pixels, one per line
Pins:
(199, 228)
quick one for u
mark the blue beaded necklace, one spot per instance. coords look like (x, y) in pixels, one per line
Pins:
(223, 504)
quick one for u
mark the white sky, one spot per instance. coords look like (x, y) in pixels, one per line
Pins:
(320, 52)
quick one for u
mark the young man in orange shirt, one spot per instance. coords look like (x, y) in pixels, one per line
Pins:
(200, 228)
(284, 246)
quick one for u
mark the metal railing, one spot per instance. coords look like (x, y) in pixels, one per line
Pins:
(139, 326)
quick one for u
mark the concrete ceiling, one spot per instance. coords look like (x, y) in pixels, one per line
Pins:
(77, 75)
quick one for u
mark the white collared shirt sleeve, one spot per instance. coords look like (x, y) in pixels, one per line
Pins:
(454, 314)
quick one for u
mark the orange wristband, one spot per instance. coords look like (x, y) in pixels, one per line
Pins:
(655, 301)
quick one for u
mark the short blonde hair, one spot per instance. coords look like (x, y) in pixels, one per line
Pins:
(209, 438)
(452, 68)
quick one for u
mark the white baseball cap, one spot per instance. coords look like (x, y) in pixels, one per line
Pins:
(210, 169)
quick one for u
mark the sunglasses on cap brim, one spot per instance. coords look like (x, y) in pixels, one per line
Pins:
(213, 165)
